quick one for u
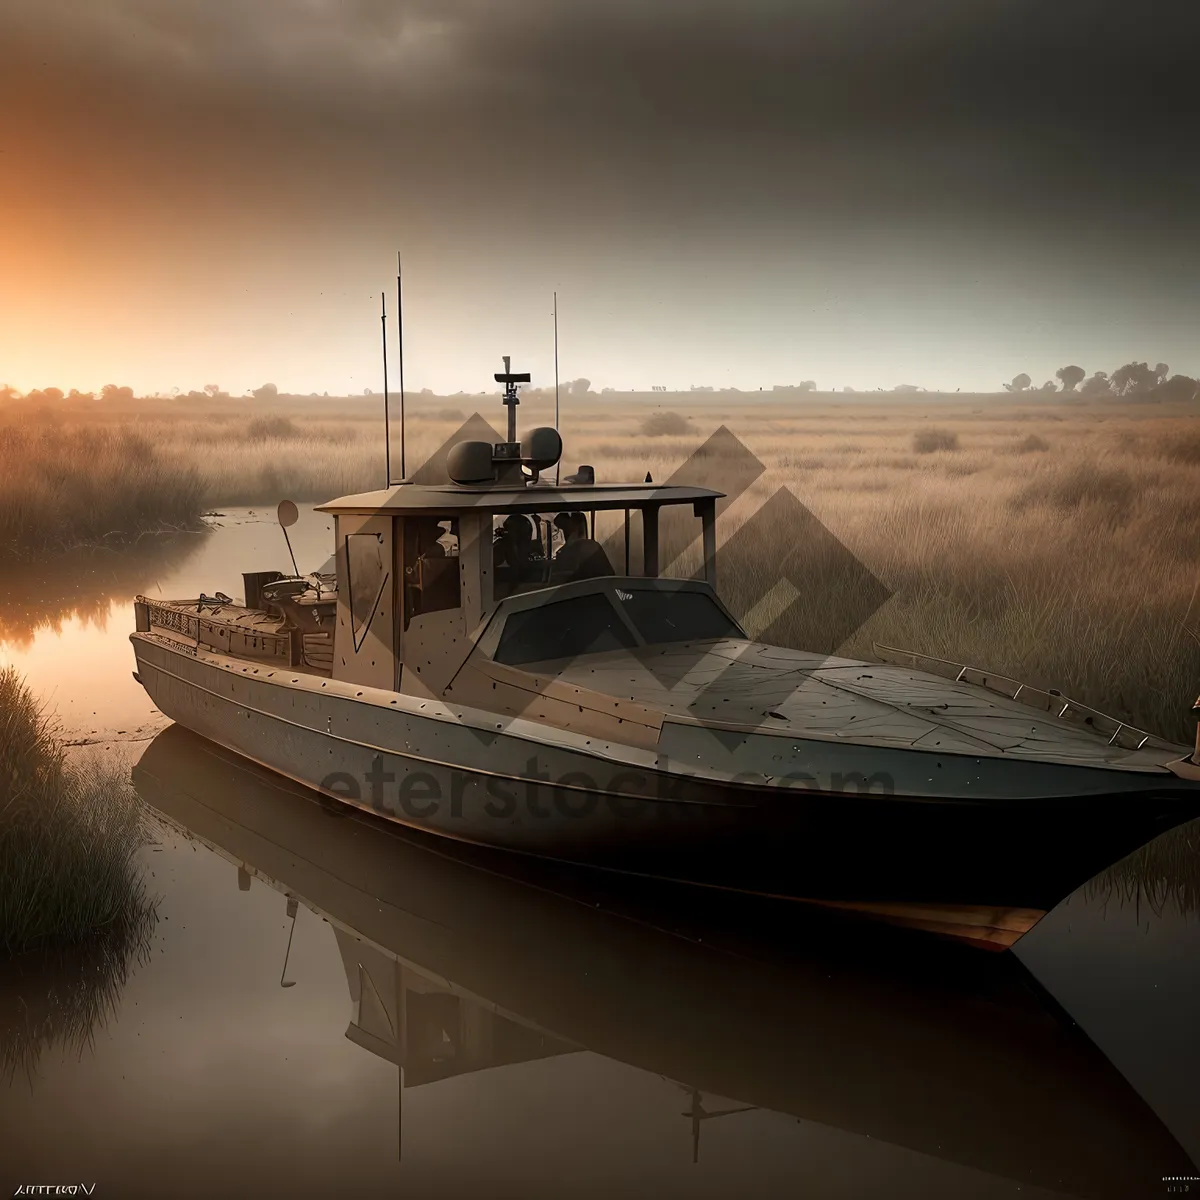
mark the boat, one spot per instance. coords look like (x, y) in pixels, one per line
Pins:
(473, 662)
(465, 960)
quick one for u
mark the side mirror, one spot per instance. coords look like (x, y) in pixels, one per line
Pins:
(288, 514)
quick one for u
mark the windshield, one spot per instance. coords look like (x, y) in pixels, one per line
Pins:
(589, 624)
(564, 629)
(669, 616)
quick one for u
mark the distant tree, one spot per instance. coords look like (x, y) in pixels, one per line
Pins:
(212, 390)
(1049, 386)
(905, 387)
(581, 387)
(1178, 387)
(847, 389)
(76, 396)
(113, 394)
(606, 391)
(1071, 377)
(8, 393)
(427, 391)
(1019, 383)
(806, 385)
(1097, 385)
(52, 395)
(1132, 379)
(1160, 374)
(268, 391)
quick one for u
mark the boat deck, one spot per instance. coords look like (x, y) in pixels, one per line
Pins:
(795, 692)
(245, 633)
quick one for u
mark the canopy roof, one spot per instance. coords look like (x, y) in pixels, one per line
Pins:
(441, 498)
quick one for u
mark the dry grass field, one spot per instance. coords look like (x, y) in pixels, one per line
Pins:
(1054, 541)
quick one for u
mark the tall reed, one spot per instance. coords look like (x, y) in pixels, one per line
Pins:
(69, 837)
(66, 487)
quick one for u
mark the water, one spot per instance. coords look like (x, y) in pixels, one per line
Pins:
(448, 1028)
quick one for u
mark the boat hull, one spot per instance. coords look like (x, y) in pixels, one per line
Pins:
(985, 867)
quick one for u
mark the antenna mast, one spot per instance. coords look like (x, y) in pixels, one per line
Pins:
(387, 424)
(557, 464)
(400, 341)
(510, 379)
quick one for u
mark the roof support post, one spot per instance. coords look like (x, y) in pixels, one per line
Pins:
(706, 510)
(650, 541)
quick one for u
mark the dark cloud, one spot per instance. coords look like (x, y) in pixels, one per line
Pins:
(1019, 150)
(1015, 100)
(692, 66)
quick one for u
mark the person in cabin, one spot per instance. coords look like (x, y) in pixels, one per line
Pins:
(434, 581)
(429, 531)
(581, 556)
(512, 550)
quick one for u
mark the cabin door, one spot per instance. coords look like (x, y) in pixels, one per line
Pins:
(365, 642)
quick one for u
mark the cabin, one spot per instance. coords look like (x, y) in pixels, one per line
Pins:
(423, 569)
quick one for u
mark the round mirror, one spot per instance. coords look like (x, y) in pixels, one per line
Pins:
(471, 462)
(541, 448)
(288, 513)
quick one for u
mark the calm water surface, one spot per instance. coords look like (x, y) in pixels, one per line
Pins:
(431, 1025)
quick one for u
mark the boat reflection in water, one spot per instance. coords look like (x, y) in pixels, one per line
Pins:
(454, 965)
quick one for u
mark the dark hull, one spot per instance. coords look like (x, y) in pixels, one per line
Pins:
(983, 871)
(877, 849)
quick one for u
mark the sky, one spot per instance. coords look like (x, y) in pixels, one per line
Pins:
(723, 192)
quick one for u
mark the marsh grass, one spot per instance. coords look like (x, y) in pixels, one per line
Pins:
(66, 487)
(277, 426)
(1085, 483)
(69, 834)
(1182, 449)
(928, 441)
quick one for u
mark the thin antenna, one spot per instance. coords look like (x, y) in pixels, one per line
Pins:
(400, 342)
(557, 464)
(387, 424)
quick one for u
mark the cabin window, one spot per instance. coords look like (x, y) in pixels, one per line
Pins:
(666, 616)
(563, 629)
(432, 581)
(542, 549)
(367, 575)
